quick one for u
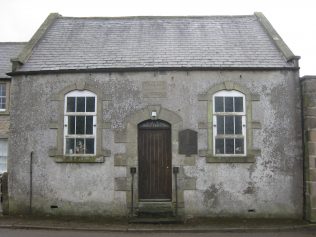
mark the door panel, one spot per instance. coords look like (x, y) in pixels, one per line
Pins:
(154, 154)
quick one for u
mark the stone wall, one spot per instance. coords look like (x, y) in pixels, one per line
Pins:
(267, 185)
(309, 111)
(4, 134)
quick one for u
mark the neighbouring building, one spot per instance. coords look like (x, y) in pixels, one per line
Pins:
(8, 50)
(157, 116)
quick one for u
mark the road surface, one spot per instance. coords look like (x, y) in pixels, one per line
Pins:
(66, 233)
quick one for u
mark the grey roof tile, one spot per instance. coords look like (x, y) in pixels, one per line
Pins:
(8, 50)
(140, 42)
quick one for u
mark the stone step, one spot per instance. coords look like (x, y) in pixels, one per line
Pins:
(155, 220)
(155, 209)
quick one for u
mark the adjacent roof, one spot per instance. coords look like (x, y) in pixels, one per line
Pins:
(68, 43)
(8, 50)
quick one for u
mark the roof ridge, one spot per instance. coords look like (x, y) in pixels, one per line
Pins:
(11, 42)
(156, 17)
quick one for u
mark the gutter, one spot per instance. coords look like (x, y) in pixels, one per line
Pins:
(155, 69)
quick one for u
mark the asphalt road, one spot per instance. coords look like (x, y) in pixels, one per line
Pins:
(63, 233)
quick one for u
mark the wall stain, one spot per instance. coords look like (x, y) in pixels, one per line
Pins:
(211, 195)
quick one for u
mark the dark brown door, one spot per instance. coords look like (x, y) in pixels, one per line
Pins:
(154, 160)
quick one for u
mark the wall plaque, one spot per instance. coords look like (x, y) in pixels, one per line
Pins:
(154, 89)
(188, 142)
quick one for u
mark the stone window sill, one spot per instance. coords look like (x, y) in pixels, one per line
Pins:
(4, 113)
(79, 159)
(230, 159)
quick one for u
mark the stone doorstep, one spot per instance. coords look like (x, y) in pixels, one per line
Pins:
(155, 210)
(153, 220)
(155, 207)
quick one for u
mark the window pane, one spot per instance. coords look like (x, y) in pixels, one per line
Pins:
(239, 149)
(79, 146)
(229, 104)
(80, 124)
(3, 155)
(220, 124)
(2, 89)
(229, 124)
(71, 104)
(219, 146)
(3, 168)
(70, 144)
(2, 102)
(81, 104)
(90, 146)
(229, 144)
(90, 104)
(238, 125)
(219, 104)
(3, 147)
(89, 124)
(239, 104)
(71, 124)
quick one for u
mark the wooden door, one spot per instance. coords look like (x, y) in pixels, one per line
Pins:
(154, 160)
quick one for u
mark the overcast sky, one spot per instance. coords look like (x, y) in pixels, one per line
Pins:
(294, 20)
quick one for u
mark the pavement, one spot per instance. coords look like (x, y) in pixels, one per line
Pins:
(190, 226)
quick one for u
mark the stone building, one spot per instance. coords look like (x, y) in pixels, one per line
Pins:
(156, 116)
(308, 88)
(7, 50)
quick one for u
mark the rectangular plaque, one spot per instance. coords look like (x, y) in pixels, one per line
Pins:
(154, 89)
(188, 142)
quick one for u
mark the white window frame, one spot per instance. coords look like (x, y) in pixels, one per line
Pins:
(4, 153)
(231, 93)
(4, 96)
(84, 93)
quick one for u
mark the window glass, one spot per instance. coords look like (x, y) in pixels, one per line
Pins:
(81, 104)
(219, 104)
(90, 104)
(239, 146)
(71, 104)
(219, 146)
(229, 145)
(71, 124)
(89, 124)
(220, 124)
(238, 124)
(90, 146)
(239, 104)
(229, 124)
(80, 124)
(70, 145)
(2, 96)
(3, 155)
(229, 104)
(80, 146)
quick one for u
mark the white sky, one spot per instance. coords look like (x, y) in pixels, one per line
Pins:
(294, 20)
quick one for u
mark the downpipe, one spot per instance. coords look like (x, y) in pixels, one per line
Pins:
(31, 182)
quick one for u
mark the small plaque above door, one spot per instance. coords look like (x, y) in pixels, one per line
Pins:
(154, 89)
(188, 142)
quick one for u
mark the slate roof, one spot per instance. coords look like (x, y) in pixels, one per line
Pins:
(8, 50)
(155, 42)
